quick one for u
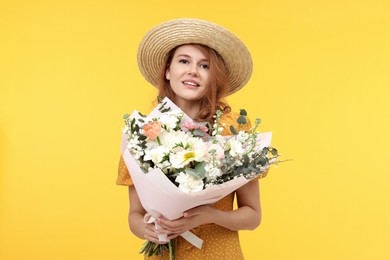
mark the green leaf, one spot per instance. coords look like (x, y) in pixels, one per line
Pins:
(246, 160)
(257, 160)
(125, 116)
(254, 169)
(274, 152)
(243, 112)
(265, 151)
(142, 137)
(198, 133)
(136, 128)
(200, 169)
(144, 247)
(232, 130)
(141, 120)
(192, 172)
(263, 161)
(165, 110)
(241, 120)
(202, 123)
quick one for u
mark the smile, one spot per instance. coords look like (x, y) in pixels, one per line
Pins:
(191, 83)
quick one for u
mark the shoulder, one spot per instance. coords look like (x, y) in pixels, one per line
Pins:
(230, 119)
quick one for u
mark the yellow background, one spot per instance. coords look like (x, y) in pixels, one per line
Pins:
(321, 82)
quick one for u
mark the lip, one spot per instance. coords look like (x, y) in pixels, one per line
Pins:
(194, 83)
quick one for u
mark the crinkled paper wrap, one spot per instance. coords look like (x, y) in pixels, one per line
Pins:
(160, 197)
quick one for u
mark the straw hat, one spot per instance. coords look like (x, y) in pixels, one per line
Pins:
(161, 39)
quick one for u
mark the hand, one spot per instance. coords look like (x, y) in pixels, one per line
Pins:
(151, 234)
(192, 218)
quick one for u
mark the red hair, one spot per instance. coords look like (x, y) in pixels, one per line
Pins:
(213, 99)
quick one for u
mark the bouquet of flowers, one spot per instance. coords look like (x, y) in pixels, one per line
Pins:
(173, 159)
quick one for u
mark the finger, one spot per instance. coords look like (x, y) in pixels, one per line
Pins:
(194, 211)
(150, 227)
(162, 230)
(173, 236)
(167, 230)
(205, 209)
(170, 225)
(150, 234)
(156, 240)
(153, 237)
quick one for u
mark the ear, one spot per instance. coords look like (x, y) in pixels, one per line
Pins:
(168, 74)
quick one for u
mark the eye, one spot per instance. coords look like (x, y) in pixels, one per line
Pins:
(204, 66)
(183, 61)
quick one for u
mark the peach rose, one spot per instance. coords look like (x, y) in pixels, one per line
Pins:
(152, 130)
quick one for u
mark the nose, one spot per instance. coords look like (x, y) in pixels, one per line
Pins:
(193, 70)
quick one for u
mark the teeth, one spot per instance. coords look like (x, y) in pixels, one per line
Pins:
(190, 83)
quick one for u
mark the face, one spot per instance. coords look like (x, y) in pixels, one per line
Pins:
(188, 74)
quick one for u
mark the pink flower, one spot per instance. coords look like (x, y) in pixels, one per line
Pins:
(152, 130)
(192, 126)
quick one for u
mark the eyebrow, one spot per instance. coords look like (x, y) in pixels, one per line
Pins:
(188, 56)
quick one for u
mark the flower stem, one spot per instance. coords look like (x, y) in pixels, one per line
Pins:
(171, 250)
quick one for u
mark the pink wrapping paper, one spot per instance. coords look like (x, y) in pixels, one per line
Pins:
(160, 197)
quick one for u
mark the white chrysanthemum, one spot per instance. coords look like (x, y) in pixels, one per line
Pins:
(189, 183)
(235, 147)
(156, 155)
(173, 138)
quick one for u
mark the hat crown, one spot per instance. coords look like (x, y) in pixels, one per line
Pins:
(161, 39)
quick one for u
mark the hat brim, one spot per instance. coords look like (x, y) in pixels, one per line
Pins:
(160, 40)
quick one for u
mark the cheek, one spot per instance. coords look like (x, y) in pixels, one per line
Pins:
(207, 80)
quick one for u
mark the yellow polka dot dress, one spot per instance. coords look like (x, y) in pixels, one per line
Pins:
(218, 242)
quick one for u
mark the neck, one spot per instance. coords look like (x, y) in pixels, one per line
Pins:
(191, 108)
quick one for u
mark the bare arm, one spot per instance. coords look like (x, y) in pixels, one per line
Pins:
(246, 217)
(136, 219)
(248, 214)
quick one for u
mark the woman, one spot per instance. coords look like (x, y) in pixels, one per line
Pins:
(196, 64)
